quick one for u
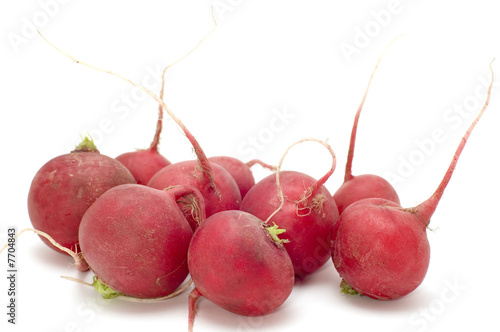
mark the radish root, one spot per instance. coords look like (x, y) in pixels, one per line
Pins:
(317, 204)
(261, 163)
(426, 209)
(191, 205)
(159, 124)
(350, 155)
(301, 203)
(194, 295)
(80, 263)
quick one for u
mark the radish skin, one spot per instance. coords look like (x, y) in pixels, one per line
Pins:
(66, 186)
(135, 239)
(238, 262)
(143, 164)
(240, 171)
(304, 207)
(189, 172)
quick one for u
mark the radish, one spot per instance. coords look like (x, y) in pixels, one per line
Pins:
(240, 171)
(381, 249)
(215, 184)
(304, 207)
(64, 188)
(362, 186)
(207, 178)
(135, 239)
(238, 262)
(143, 164)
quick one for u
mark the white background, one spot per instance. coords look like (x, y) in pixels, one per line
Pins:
(265, 58)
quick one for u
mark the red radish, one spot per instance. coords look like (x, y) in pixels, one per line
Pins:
(64, 188)
(215, 183)
(240, 171)
(362, 186)
(381, 249)
(135, 239)
(143, 164)
(238, 262)
(305, 208)
(217, 187)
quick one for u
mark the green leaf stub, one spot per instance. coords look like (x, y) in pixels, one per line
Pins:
(86, 145)
(103, 289)
(347, 289)
(274, 231)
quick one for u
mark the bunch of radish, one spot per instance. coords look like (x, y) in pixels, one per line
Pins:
(149, 229)
(380, 249)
